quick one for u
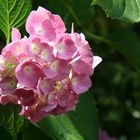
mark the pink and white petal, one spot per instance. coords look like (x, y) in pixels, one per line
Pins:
(34, 46)
(45, 86)
(46, 54)
(28, 73)
(81, 83)
(51, 70)
(2, 62)
(34, 23)
(63, 70)
(17, 48)
(44, 12)
(96, 61)
(58, 69)
(65, 48)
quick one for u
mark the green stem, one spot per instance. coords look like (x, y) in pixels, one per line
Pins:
(72, 12)
(8, 37)
(99, 38)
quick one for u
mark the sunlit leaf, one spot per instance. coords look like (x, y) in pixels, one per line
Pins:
(59, 128)
(13, 14)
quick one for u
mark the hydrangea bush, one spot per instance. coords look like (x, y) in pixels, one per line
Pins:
(46, 72)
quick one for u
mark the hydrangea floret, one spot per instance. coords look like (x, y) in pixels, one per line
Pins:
(46, 72)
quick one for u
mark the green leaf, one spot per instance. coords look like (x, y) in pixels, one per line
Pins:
(11, 120)
(81, 124)
(31, 131)
(128, 43)
(85, 117)
(13, 14)
(127, 10)
(59, 128)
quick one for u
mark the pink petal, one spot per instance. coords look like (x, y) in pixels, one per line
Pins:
(8, 84)
(15, 34)
(5, 99)
(59, 25)
(58, 69)
(65, 48)
(81, 67)
(48, 30)
(51, 70)
(34, 23)
(51, 103)
(34, 46)
(28, 73)
(81, 83)
(46, 55)
(45, 86)
(67, 98)
(25, 97)
(16, 48)
(10, 58)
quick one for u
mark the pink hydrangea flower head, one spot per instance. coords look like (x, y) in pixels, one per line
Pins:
(46, 72)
